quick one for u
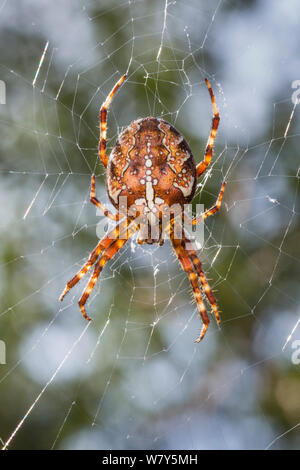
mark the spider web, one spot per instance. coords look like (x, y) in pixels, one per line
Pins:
(134, 378)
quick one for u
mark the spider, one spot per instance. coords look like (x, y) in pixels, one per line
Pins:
(152, 166)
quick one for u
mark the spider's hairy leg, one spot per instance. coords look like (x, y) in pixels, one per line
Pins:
(187, 266)
(103, 124)
(97, 203)
(198, 268)
(201, 167)
(108, 254)
(102, 245)
(210, 211)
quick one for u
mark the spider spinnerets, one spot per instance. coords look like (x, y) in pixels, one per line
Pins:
(151, 173)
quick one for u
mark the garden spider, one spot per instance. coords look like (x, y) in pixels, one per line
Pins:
(152, 166)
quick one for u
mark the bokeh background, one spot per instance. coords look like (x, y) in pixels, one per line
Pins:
(134, 378)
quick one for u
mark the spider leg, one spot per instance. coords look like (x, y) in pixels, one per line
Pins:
(103, 124)
(198, 268)
(187, 266)
(201, 167)
(210, 211)
(97, 203)
(108, 254)
(102, 245)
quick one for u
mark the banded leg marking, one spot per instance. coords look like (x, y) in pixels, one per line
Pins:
(103, 123)
(201, 167)
(102, 245)
(187, 266)
(108, 254)
(99, 204)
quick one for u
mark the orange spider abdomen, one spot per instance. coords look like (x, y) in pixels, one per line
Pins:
(151, 165)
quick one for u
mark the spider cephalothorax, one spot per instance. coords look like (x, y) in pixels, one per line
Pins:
(151, 172)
